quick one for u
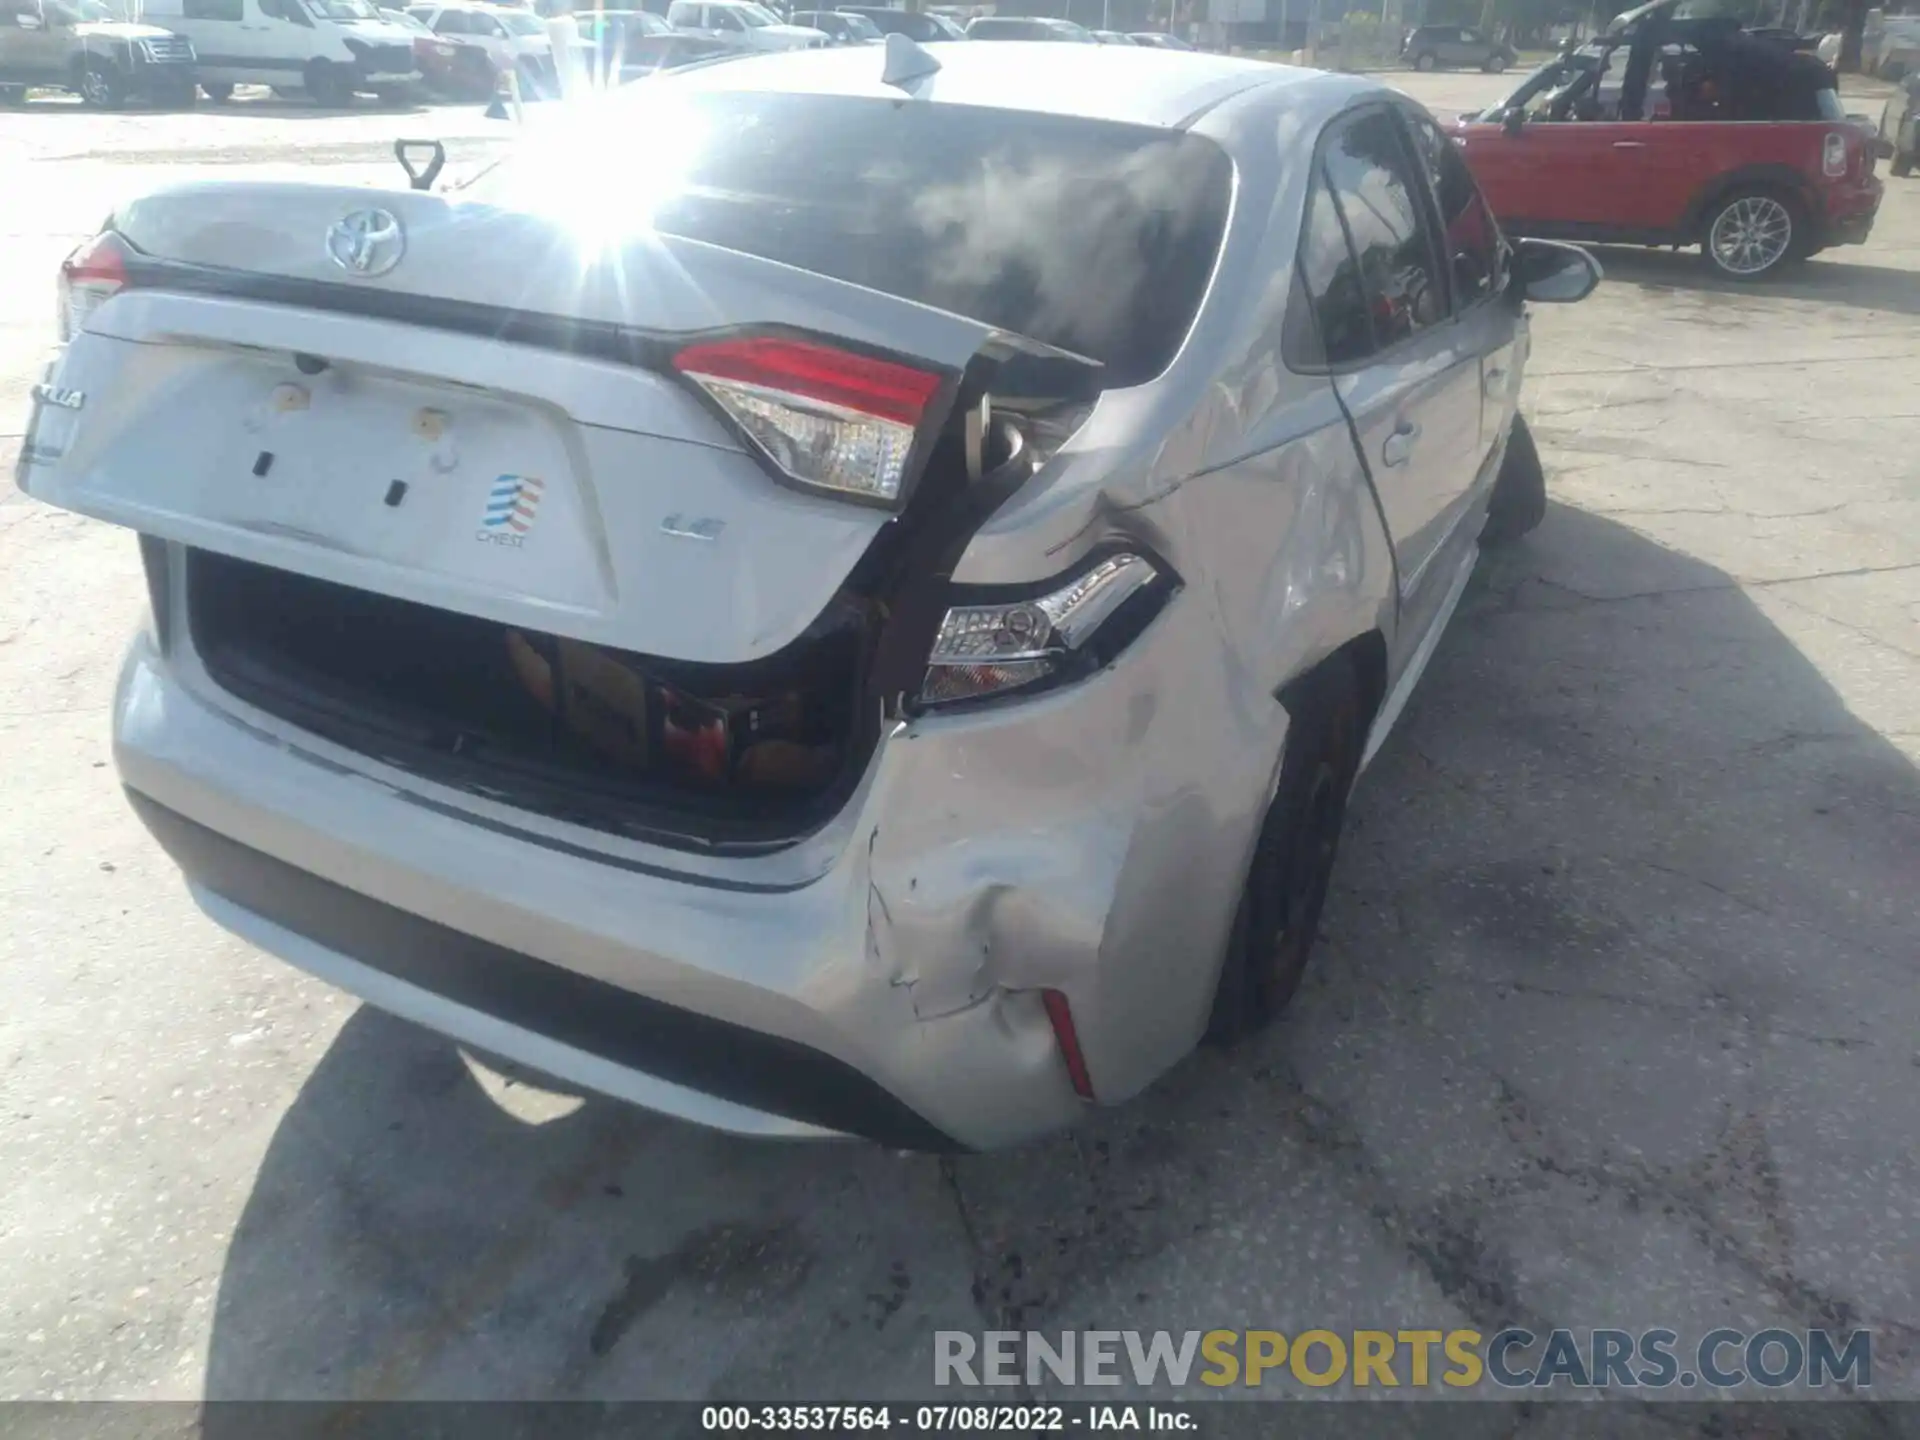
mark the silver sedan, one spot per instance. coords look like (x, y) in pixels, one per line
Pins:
(859, 616)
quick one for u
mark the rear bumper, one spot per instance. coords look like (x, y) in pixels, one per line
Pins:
(880, 978)
(493, 997)
(1851, 211)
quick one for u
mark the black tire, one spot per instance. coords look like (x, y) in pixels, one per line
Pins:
(327, 86)
(1519, 500)
(1496, 64)
(1425, 60)
(1278, 917)
(1901, 166)
(99, 84)
(1772, 207)
(218, 91)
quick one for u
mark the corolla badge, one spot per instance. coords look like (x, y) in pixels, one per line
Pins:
(367, 242)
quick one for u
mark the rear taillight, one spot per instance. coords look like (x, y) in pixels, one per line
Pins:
(88, 277)
(825, 417)
(1833, 155)
(988, 646)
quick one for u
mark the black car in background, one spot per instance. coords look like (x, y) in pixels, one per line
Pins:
(1452, 47)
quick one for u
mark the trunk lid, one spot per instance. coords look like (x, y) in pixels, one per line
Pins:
(478, 420)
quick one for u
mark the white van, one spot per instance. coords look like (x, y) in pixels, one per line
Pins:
(327, 49)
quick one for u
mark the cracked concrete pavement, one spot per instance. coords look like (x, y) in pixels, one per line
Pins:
(1615, 1021)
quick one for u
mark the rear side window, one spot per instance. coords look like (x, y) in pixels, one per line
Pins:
(1366, 243)
(1470, 236)
(1090, 235)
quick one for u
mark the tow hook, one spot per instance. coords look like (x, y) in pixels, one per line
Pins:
(421, 177)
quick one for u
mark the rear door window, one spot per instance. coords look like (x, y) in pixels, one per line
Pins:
(1091, 235)
(1377, 193)
(1470, 236)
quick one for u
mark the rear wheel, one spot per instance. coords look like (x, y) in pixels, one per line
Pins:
(1753, 234)
(12, 95)
(218, 91)
(100, 85)
(1279, 911)
(1496, 64)
(1519, 501)
(1425, 60)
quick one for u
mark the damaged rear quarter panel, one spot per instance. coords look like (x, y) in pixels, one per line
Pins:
(1095, 840)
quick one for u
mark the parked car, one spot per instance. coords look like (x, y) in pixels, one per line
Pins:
(922, 26)
(1156, 40)
(512, 39)
(742, 25)
(840, 28)
(446, 68)
(81, 46)
(1451, 47)
(1899, 137)
(326, 50)
(1020, 765)
(1112, 37)
(1027, 27)
(1581, 150)
(631, 44)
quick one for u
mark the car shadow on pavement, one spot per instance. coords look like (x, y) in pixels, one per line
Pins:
(1826, 278)
(1618, 964)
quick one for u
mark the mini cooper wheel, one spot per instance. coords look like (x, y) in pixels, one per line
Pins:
(1753, 234)
(1424, 61)
(1279, 912)
(1496, 64)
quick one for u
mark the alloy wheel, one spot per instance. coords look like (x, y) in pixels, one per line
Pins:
(1751, 235)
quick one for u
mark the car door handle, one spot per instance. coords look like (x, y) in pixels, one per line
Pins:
(1629, 144)
(1398, 448)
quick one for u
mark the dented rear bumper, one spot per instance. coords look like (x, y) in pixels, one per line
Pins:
(882, 978)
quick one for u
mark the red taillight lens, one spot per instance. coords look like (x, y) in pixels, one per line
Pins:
(826, 417)
(1060, 1015)
(97, 270)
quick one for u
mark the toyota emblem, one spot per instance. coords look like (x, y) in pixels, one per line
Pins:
(367, 242)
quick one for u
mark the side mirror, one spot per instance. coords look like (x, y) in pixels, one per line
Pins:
(1513, 120)
(1553, 273)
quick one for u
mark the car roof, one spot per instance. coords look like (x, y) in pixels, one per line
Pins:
(1102, 82)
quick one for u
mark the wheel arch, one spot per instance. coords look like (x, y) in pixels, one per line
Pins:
(1748, 177)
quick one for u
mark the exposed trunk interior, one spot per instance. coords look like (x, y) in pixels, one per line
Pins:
(706, 755)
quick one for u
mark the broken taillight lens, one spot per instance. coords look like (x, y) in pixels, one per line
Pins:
(88, 277)
(986, 649)
(826, 418)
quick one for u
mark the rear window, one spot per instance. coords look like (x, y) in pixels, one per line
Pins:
(1093, 236)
